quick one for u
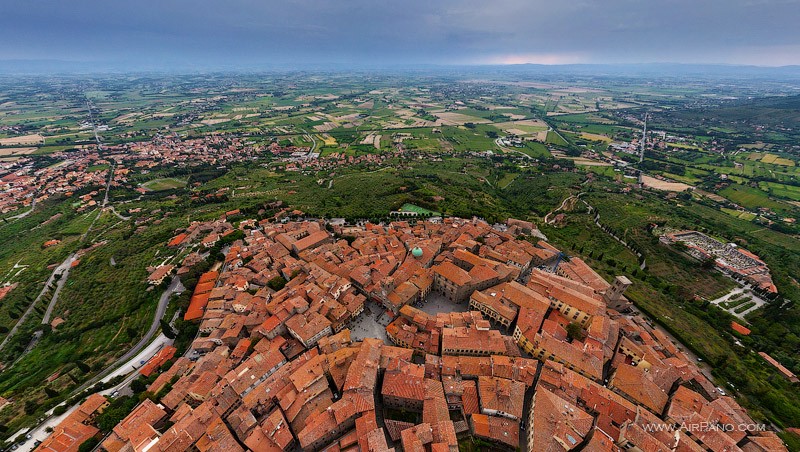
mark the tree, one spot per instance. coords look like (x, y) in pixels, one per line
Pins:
(167, 329)
(82, 366)
(138, 386)
(575, 331)
(89, 444)
(277, 283)
(30, 407)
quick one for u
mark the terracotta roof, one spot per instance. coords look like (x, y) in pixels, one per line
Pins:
(395, 428)
(137, 427)
(307, 326)
(407, 383)
(71, 432)
(470, 397)
(557, 423)
(177, 240)
(161, 357)
(160, 272)
(739, 328)
(634, 382)
(783, 370)
(453, 273)
(415, 438)
(498, 429)
(273, 435)
(472, 340)
(311, 240)
(501, 396)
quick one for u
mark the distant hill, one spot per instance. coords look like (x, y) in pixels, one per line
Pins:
(50, 66)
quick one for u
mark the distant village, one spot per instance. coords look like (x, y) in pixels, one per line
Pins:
(416, 337)
(81, 173)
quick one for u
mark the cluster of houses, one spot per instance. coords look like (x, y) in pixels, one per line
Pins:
(22, 182)
(537, 351)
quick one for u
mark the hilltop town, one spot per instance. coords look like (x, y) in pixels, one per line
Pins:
(437, 335)
(149, 224)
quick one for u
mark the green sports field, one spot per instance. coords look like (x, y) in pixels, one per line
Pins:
(419, 210)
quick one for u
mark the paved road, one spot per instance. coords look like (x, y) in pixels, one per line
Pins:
(39, 433)
(507, 149)
(27, 212)
(135, 362)
(563, 204)
(128, 362)
(64, 267)
(59, 285)
(175, 286)
(314, 143)
(103, 205)
(119, 215)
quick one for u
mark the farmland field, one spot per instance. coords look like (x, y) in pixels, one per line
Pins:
(659, 184)
(749, 197)
(22, 140)
(776, 160)
(15, 152)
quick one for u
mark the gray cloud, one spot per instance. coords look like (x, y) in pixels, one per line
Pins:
(412, 31)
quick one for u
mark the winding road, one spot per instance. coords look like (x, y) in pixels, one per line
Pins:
(563, 204)
(175, 286)
(507, 149)
(60, 271)
(122, 366)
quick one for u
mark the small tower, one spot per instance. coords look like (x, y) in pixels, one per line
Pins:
(613, 295)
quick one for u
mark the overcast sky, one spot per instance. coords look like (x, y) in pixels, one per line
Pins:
(265, 32)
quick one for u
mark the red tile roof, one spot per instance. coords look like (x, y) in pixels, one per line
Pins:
(498, 429)
(157, 360)
(739, 328)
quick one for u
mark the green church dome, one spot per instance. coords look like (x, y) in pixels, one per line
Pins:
(416, 252)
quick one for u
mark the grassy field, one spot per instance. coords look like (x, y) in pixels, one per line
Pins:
(168, 183)
(749, 197)
(555, 138)
(94, 168)
(790, 192)
(777, 160)
(506, 180)
(744, 215)
(536, 150)
(418, 210)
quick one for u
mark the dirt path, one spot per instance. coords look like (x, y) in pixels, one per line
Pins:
(561, 207)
